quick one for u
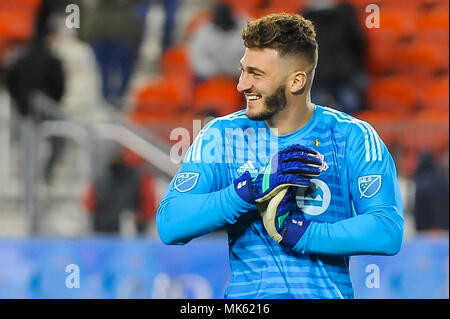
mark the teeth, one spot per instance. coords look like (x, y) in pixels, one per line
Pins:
(253, 97)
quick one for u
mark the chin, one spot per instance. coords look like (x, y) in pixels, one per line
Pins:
(258, 116)
(252, 113)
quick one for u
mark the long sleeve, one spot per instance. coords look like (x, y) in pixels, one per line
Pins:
(182, 218)
(376, 225)
(377, 233)
(199, 198)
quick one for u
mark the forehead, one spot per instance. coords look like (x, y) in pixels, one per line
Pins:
(265, 59)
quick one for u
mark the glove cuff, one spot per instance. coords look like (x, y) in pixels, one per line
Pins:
(293, 232)
(242, 185)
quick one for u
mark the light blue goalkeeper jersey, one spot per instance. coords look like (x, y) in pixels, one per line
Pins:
(354, 205)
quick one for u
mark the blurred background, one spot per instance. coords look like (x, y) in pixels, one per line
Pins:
(90, 91)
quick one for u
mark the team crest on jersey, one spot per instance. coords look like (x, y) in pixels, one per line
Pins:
(186, 181)
(315, 199)
(369, 185)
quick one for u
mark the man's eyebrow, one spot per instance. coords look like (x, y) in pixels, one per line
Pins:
(253, 69)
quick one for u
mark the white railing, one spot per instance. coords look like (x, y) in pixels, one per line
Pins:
(87, 136)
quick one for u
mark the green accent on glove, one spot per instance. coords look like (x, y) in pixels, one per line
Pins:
(266, 177)
(282, 218)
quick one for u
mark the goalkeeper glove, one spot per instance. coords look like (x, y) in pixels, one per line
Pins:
(282, 219)
(295, 165)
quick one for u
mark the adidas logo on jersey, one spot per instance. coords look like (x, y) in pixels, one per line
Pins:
(248, 166)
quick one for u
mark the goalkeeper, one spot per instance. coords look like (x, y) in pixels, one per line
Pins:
(328, 191)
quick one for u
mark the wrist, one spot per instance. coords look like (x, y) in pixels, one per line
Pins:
(242, 187)
(293, 231)
(237, 203)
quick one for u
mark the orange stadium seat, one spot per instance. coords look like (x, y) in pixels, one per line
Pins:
(436, 95)
(175, 65)
(217, 93)
(3, 48)
(416, 4)
(392, 94)
(247, 7)
(396, 28)
(426, 131)
(405, 4)
(175, 60)
(360, 4)
(15, 26)
(396, 24)
(20, 4)
(413, 133)
(17, 19)
(294, 6)
(380, 59)
(435, 18)
(166, 95)
(434, 24)
(423, 58)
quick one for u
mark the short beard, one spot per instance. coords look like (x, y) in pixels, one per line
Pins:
(274, 104)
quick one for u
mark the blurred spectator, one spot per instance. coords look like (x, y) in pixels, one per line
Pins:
(431, 202)
(216, 47)
(83, 83)
(445, 164)
(35, 80)
(114, 30)
(341, 79)
(126, 187)
(407, 188)
(170, 9)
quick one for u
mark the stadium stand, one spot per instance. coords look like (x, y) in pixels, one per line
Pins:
(394, 94)
(435, 94)
(407, 59)
(219, 94)
(17, 19)
(408, 105)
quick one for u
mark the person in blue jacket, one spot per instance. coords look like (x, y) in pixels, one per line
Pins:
(351, 206)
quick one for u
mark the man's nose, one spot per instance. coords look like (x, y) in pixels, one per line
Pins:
(244, 84)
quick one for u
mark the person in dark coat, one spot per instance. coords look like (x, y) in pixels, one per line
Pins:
(36, 71)
(126, 186)
(341, 78)
(431, 201)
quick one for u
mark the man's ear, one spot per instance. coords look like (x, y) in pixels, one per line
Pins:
(298, 83)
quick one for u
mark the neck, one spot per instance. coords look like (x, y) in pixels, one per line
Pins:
(292, 118)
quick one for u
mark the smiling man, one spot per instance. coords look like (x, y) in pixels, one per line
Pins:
(337, 180)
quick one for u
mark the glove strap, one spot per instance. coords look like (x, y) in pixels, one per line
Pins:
(293, 232)
(242, 186)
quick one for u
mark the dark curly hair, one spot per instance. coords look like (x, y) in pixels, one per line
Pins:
(290, 34)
